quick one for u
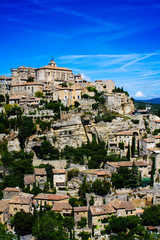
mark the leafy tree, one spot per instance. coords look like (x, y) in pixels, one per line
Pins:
(50, 226)
(27, 129)
(121, 145)
(82, 223)
(151, 216)
(84, 235)
(39, 94)
(2, 98)
(133, 146)
(73, 202)
(22, 223)
(5, 234)
(76, 104)
(30, 79)
(69, 224)
(72, 173)
(128, 153)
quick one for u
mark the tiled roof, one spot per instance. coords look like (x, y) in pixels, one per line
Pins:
(11, 189)
(125, 133)
(128, 164)
(58, 171)
(40, 171)
(22, 198)
(28, 83)
(29, 178)
(3, 205)
(51, 197)
(102, 173)
(102, 210)
(54, 68)
(80, 209)
(117, 204)
(60, 206)
(129, 206)
(148, 140)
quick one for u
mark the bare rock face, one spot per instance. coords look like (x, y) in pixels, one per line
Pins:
(74, 183)
(69, 132)
(14, 145)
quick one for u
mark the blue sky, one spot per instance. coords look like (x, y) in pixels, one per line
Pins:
(102, 39)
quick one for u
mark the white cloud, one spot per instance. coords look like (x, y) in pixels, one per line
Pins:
(139, 94)
(84, 76)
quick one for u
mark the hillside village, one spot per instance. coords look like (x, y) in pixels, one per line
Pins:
(79, 149)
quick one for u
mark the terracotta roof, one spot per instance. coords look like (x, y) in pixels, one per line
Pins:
(117, 204)
(51, 197)
(80, 209)
(151, 228)
(3, 205)
(148, 140)
(28, 83)
(58, 171)
(156, 137)
(129, 206)
(40, 171)
(125, 133)
(11, 189)
(102, 210)
(128, 164)
(22, 198)
(153, 149)
(102, 173)
(158, 121)
(29, 178)
(60, 206)
(54, 68)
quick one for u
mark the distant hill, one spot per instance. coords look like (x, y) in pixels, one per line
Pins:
(154, 100)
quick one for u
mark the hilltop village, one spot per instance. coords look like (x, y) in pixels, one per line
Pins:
(76, 158)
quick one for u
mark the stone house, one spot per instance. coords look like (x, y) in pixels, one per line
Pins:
(50, 199)
(21, 202)
(97, 213)
(59, 177)
(40, 176)
(62, 207)
(123, 208)
(21, 74)
(4, 211)
(52, 73)
(9, 192)
(93, 174)
(154, 124)
(29, 179)
(104, 85)
(80, 212)
(154, 152)
(142, 166)
(125, 137)
(145, 144)
(28, 89)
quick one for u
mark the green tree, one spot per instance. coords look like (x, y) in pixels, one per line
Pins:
(2, 98)
(5, 234)
(153, 170)
(84, 235)
(133, 146)
(50, 226)
(69, 224)
(82, 223)
(27, 129)
(76, 104)
(128, 153)
(22, 223)
(151, 216)
(30, 79)
(39, 94)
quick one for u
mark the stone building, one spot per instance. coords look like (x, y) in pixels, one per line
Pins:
(21, 74)
(26, 89)
(59, 177)
(40, 176)
(104, 85)
(4, 211)
(80, 212)
(52, 73)
(63, 208)
(9, 192)
(43, 198)
(21, 202)
(125, 137)
(145, 144)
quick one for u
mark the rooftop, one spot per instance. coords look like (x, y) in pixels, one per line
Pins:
(40, 171)
(60, 206)
(58, 171)
(3, 205)
(11, 189)
(51, 197)
(80, 209)
(29, 178)
(125, 133)
(102, 210)
(128, 164)
(22, 198)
